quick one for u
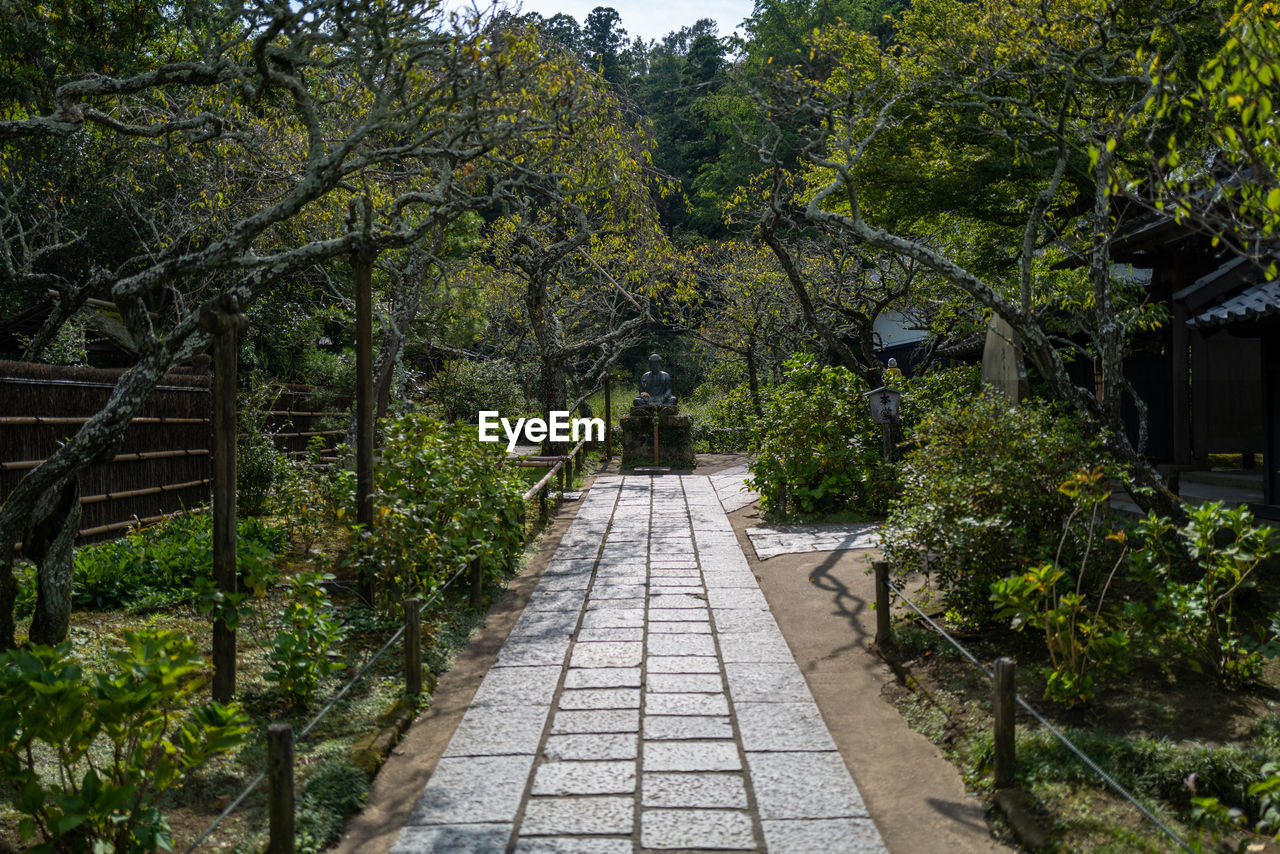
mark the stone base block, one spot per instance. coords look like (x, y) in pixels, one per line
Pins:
(675, 441)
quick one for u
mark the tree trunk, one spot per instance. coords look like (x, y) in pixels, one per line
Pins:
(753, 380)
(50, 545)
(97, 439)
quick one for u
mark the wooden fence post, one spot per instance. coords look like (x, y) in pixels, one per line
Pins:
(280, 788)
(542, 502)
(884, 636)
(223, 321)
(608, 419)
(412, 646)
(363, 260)
(477, 582)
(1003, 686)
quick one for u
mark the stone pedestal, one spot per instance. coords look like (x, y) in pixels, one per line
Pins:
(675, 439)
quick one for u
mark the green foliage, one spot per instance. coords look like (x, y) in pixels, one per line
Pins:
(1202, 615)
(300, 656)
(168, 563)
(980, 498)
(818, 450)
(443, 499)
(334, 790)
(142, 706)
(727, 422)
(259, 465)
(1173, 773)
(305, 497)
(463, 388)
(1080, 637)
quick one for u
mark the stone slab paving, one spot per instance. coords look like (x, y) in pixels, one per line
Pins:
(644, 701)
(731, 488)
(771, 540)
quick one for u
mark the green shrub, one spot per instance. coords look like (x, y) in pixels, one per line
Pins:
(304, 497)
(463, 388)
(300, 656)
(727, 422)
(980, 498)
(443, 499)
(818, 450)
(118, 740)
(164, 564)
(259, 465)
(1202, 615)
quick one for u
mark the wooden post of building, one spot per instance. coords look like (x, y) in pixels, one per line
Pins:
(655, 439)
(477, 582)
(608, 419)
(1004, 725)
(412, 646)
(884, 637)
(280, 788)
(223, 320)
(363, 260)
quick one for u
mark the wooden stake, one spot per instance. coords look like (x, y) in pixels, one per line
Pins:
(412, 646)
(884, 637)
(280, 788)
(1004, 723)
(608, 419)
(363, 260)
(223, 321)
(477, 582)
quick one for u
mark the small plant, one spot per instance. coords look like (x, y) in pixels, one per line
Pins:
(1077, 633)
(141, 706)
(300, 656)
(1203, 616)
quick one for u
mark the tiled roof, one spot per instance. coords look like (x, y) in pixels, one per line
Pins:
(1254, 302)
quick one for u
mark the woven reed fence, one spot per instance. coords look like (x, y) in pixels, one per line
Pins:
(163, 466)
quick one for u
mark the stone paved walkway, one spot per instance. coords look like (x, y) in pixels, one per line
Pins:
(644, 700)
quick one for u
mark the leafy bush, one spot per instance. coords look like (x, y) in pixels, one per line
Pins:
(980, 498)
(463, 388)
(1202, 615)
(164, 564)
(727, 422)
(443, 499)
(300, 658)
(305, 497)
(259, 464)
(818, 450)
(142, 707)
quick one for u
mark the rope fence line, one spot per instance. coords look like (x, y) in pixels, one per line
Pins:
(319, 716)
(884, 586)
